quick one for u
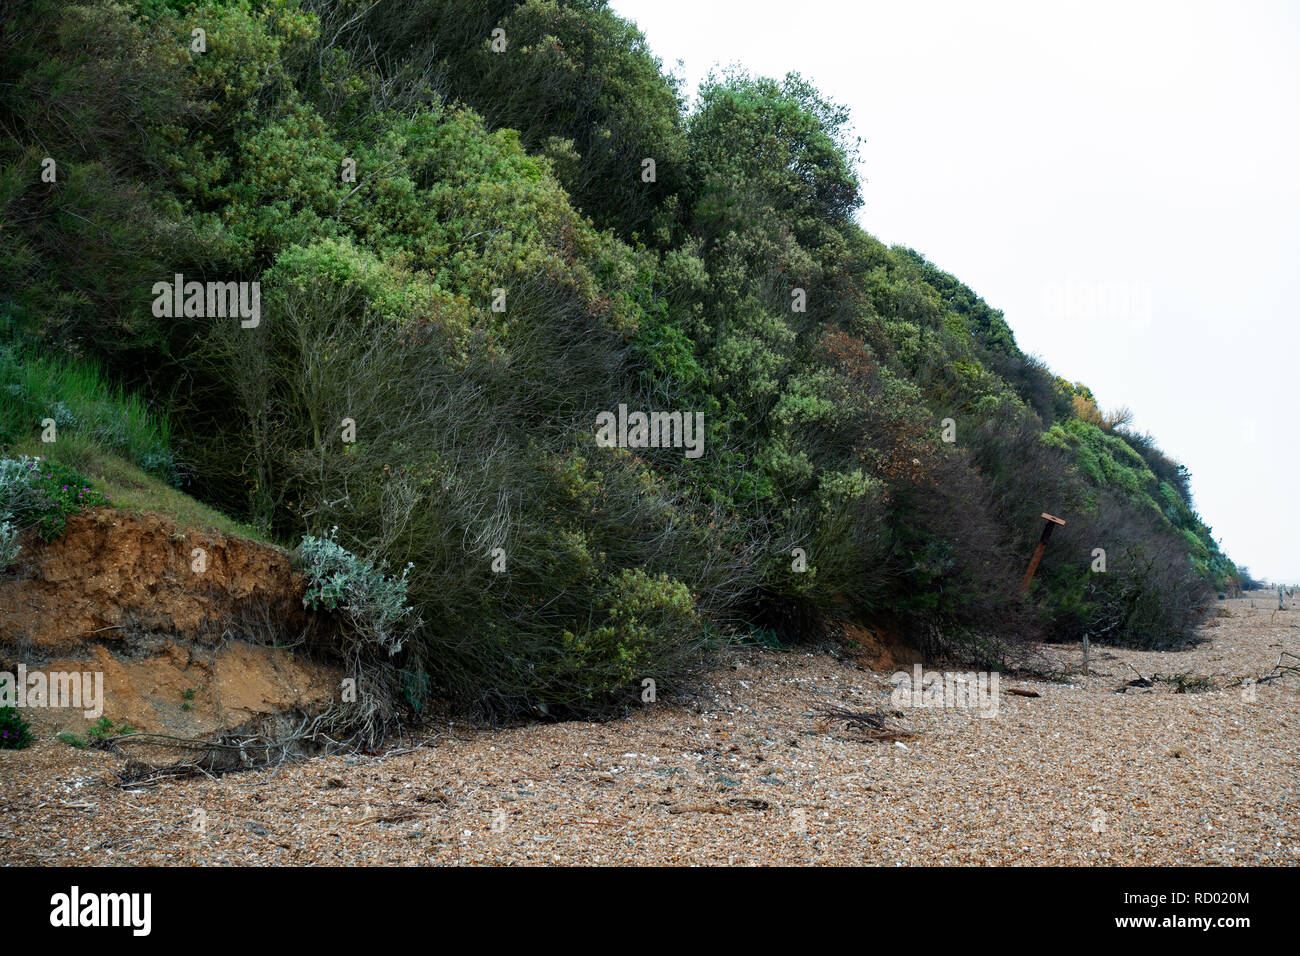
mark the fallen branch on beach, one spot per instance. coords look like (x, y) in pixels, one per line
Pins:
(733, 805)
(1281, 669)
(230, 752)
(874, 725)
(1020, 693)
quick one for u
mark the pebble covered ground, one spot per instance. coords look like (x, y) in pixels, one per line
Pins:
(747, 773)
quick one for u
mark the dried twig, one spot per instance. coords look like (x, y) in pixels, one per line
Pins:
(1019, 692)
(731, 806)
(874, 725)
(1281, 669)
(394, 815)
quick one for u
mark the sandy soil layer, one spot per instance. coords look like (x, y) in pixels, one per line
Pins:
(748, 773)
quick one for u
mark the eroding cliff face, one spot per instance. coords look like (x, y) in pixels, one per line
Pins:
(180, 650)
(114, 575)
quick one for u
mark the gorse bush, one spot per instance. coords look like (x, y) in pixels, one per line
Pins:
(645, 626)
(501, 270)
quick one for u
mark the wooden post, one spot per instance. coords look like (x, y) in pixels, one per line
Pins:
(1038, 552)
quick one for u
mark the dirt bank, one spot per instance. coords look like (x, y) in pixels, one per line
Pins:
(113, 575)
(187, 643)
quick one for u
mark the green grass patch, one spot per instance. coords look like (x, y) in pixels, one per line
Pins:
(128, 488)
(81, 403)
(101, 730)
(104, 728)
(109, 448)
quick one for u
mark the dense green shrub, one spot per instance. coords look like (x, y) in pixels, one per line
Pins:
(576, 82)
(15, 733)
(374, 603)
(41, 493)
(498, 273)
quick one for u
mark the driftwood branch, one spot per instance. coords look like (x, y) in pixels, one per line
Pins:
(1281, 669)
(875, 725)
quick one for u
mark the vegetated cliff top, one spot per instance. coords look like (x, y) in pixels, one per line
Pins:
(469, 245)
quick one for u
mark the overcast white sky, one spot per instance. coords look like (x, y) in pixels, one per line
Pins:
(1121, 178)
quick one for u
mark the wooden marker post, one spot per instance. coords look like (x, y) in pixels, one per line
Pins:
(1038, 552)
